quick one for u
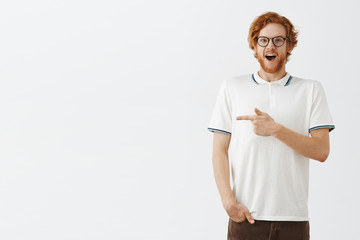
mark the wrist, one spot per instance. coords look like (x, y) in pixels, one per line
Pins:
(276, 130)
(228, 202)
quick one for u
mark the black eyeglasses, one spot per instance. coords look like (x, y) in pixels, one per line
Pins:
(277, 41)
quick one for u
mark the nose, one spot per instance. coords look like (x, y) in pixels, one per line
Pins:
(270, 45)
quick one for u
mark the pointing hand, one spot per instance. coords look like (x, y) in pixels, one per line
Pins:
(263, 124)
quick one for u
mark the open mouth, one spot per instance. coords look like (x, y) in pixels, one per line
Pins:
(270, 57)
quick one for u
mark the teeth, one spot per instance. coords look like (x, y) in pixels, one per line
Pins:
(270, 55)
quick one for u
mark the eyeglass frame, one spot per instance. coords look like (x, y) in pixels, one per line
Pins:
(272, 39)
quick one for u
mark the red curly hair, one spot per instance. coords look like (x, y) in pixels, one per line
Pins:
(273, 17)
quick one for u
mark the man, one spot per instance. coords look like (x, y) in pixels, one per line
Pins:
(268, 125)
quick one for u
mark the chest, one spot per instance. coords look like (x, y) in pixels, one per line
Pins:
(286, 105)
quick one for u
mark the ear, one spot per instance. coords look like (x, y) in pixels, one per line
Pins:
(255, 50)
(288, 48)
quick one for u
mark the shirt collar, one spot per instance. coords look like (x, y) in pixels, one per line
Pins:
(283, 81)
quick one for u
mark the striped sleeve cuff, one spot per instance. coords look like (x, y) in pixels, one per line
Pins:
(331, 127)
(218, 130)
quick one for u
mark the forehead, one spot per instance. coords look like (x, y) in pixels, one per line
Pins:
(273, 30)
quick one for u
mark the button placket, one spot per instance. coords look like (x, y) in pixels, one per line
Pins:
(271, 101)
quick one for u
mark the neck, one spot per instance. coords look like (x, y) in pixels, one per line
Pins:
(270, 77)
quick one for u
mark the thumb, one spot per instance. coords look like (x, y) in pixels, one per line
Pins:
(249, 217)
(258, 112)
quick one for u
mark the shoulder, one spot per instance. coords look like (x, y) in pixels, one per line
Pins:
(310, 83)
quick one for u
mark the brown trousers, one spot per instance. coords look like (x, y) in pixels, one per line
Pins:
(268, 230)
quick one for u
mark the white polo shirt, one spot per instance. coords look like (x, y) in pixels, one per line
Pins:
(270, 178)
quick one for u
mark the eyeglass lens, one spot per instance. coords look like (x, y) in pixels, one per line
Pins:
(264, 41)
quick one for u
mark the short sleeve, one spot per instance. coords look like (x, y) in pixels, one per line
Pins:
(221, 116)
(320, 116)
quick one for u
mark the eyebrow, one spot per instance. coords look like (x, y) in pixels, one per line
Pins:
(272, 37)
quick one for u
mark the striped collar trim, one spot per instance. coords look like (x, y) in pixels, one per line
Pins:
(285, 81)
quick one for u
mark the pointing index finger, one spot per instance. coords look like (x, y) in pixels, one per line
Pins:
(246, 117)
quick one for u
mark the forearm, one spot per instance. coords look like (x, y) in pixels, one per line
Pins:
(304, 145)
(222, 177)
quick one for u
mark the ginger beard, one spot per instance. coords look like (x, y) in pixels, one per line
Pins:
(272, 66)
